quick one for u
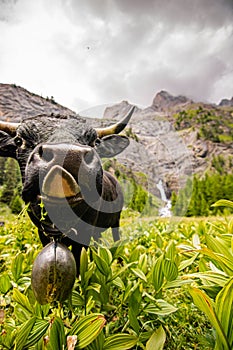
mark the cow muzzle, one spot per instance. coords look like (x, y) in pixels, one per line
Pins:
(70, 172)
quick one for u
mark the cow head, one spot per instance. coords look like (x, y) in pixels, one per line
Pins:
(59, 158)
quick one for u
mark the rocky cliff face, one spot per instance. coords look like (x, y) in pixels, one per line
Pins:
(226, 102)
(175, 139)
(163, 101)
(16, 103)
(167, 140)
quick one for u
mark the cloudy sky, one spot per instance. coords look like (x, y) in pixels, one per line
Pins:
(91, 52)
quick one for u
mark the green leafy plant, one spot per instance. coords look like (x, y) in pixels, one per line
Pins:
(218, 305)
(134, 295)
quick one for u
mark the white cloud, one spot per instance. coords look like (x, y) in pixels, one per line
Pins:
(87, 53)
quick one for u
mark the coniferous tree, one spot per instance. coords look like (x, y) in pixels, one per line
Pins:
(16, 204)
(12, 182)
(2, 166)
(205, 192)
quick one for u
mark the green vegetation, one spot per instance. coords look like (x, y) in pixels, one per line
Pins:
(173, 289)
(10, 181)
(199, 194)
(213, 125)
(2, 166)
(134, 186)
(129, 132)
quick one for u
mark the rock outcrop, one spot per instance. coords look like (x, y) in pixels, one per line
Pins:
(226, 102)
(16, 103)
(163, 101)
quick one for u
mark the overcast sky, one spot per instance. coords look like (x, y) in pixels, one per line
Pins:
(91, 52)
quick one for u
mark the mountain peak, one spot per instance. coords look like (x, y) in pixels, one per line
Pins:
(117, 110)
(226, 102)
(164, 100)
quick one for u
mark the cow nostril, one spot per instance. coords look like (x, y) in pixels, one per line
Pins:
(46, 154)
(40, 151)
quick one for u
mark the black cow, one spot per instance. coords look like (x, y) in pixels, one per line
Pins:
(69, 194)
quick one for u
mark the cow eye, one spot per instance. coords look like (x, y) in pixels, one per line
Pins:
(18, 141)
(97, 142)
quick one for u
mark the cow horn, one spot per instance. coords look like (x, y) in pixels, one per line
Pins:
(115, 128)
(8, 127)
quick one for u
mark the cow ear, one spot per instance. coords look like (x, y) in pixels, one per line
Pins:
(110, 146)
(7, 145)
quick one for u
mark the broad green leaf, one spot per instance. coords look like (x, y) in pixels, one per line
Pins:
(94, 286)
(83, 264)
(22, 299)
(24, 282)
(161, 308)
(196, 241)
(87, 329)
(143, 263)
(88, 274)
(170, 270)
(21, 314)
(119, 283)
(219, 246)
(98, 343)
(185, 263)
(204, 303)
(209, 277)
(230, 228)
(120, 271)
(37, 332)
(133, 320)
(171, 251)
(105, 254)
(157, 273)
(211, 290)
(23, 333)
(138, 273)
(42, 310)
(5, 283)
(89, 305)
(17, 266)
(129, 290)
(101, 264)
(223, 203)
(136, 300)
(57, 339)
(213, 278)
(136, 253)
(180, 281)
(225, 263)
(157, 340)
(120, 342)
(224, 310)
(7, 338)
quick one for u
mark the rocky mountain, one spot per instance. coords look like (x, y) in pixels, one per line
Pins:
(16, 103)
(171, 140)
(226, 102)
(175, 138)
(163, 101)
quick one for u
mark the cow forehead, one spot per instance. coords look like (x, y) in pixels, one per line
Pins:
(48, 129)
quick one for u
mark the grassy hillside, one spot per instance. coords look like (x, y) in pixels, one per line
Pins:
(213, 124)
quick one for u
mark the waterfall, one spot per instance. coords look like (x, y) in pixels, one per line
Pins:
(166, 210)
